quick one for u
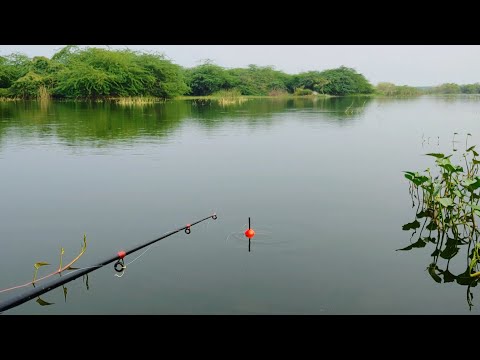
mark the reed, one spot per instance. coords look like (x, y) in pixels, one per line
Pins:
(43, 94)
(136, 100)
(229, 97)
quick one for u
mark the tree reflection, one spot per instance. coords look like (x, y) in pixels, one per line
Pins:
(104, 124)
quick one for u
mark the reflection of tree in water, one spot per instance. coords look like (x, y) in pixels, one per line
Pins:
(209, 113)
(447, 214)
(103, 124)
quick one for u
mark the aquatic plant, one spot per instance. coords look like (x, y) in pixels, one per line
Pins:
(136, 100)
(229, 97)
(447, 199)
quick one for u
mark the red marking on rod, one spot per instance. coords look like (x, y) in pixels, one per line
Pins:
(121, 254)
(188, 226)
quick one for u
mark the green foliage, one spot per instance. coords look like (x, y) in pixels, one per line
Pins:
(96, 73)
(345, 81)
(100, 73)
(447, 200)
(228, 94)
(28, 85)
(208, 78)
(300, 91)
(258, 80)
(470, 88)
(452, 88)
(12, 67)
(37, 266)
(389, 89)
(4, 92)
(311, 80)
(169, 79)
(447, 88)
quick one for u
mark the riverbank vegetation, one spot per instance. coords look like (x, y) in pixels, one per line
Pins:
(389, 89)
(452, 88)
(102, 74)
(137, 78)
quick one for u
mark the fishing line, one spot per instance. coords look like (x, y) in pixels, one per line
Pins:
(123, 267)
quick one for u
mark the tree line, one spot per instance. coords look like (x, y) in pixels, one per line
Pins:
(97, 73)
(452, 88)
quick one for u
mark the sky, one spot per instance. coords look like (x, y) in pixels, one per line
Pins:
(414, 65)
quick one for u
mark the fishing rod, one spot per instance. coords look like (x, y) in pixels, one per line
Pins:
(119, 267)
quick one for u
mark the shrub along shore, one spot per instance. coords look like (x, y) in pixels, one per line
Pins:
(134, 76)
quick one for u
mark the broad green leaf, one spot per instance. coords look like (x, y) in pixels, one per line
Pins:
(443, 161)
(445, 201)
(447, 165)
(436, 189)
(475, 185)
(437, 155)
(475, 153)
(458, 193)
(432, 271)
(413, 225)
(471, 148)
(43, 302)
(476, 162)
(416, 178)
(468, 182)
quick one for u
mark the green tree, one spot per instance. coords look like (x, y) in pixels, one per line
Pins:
(258, 80)
(386, 88)
(447, 88)
(12, 67)
(470, 88)
(208, 78)
(99, 73)
(345, 81)
(312, 80)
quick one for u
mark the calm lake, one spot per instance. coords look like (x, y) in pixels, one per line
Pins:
(321, 180)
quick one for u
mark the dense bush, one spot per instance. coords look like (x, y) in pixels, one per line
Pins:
(103, 73)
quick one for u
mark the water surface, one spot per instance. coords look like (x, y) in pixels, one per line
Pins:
(321, 180)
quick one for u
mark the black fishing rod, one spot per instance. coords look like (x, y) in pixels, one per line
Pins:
(119, 266)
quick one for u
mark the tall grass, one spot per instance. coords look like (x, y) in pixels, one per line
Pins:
(229, 97)
(136, 100)
(43, 94)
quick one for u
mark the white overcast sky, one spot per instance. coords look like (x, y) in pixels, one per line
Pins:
(416, 65)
